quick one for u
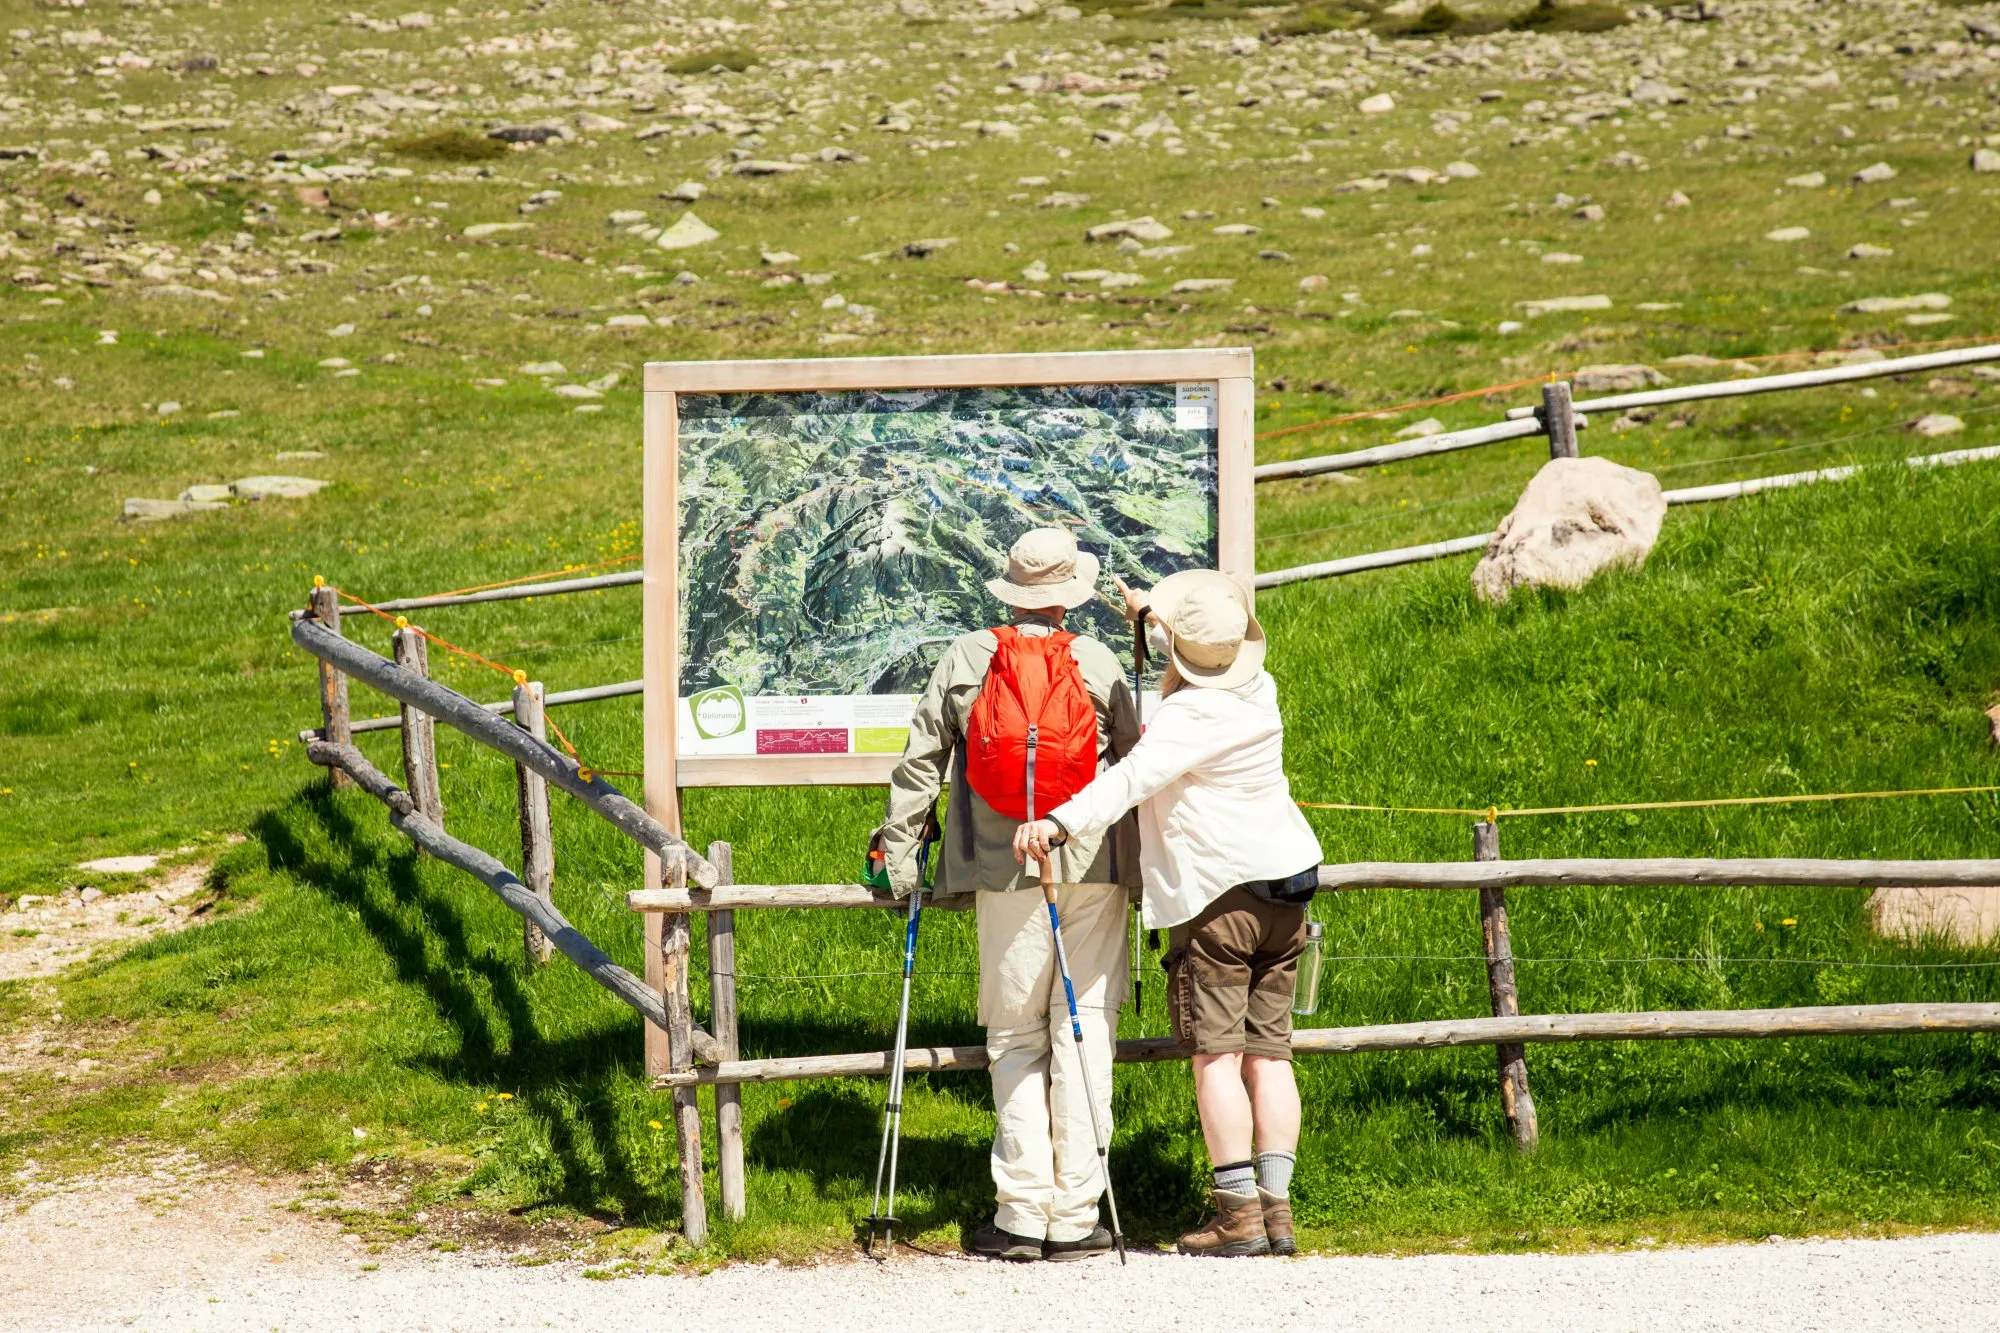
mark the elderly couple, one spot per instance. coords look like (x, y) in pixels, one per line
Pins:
(1225, 860)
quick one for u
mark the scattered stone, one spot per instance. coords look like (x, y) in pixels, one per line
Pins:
(1652, 92)
(1362, 185)
(1421, 430)
(1376, 105)
(1985, 159)
(688, 232)
(1812, 180)
(1891, 305)
(152, 511)
(1937, 423)
(1578, 517)
(1561, 257)
(479, 231)
(1874, 175)
(628, 322)
(1186, 285)
(577, 391)
(208, 492)
(1236, 229)
(1866, 251)
(924, 249)
(1312, 282)
(1138, 229)
(1556, 305)
(1788, 234)
(298, 455)
(89, 895)
(686, 192)
(1462, 171)
(529, 133)
(1589, 213)
(544, 369)
(1677, 200)
(168, 408)
(1617, 379)
(119, 865)
(590, 122)
(276, 487)
(758, 166)
(625, 217)
(1509, 326)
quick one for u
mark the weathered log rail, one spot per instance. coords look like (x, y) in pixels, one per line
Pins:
(1438, 1034)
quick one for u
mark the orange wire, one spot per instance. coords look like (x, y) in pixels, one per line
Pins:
(531, 578)
(511, 673)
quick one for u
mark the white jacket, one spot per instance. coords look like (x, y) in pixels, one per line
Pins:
(1215, 809)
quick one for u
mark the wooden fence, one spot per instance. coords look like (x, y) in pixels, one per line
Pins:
(691, 883)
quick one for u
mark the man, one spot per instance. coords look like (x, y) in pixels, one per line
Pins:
(1045, 1166)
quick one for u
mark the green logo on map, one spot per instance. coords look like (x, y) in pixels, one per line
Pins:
(719, 712)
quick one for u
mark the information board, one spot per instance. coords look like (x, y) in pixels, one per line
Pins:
(816, 532)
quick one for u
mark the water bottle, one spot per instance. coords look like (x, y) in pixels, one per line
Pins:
(1305, 995)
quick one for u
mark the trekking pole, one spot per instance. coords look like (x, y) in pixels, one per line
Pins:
(1083, 1068)
(892, 1116)
(1139, 915)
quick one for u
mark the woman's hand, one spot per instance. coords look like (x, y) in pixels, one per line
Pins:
(1036, 840)
(1134, 602)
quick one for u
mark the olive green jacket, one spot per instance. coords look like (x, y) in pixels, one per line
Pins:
(977, 848)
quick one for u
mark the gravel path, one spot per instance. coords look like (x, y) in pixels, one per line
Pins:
(147, 1253)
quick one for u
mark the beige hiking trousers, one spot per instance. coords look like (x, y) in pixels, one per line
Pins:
(1045, 1167)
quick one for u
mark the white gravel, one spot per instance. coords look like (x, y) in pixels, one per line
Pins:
(111, 1257)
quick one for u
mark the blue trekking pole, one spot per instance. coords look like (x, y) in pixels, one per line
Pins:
(892, 1118)
(1083, 1066)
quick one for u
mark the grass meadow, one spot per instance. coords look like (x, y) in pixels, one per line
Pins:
(348, 1004)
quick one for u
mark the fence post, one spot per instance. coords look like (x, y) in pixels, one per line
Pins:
(332, 684)
(420, 759)
(674, 950)
(1559, 419)
(1514, 1096)
(722, 1025)
(538, 850)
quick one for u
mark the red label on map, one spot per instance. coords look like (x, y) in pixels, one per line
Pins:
(802, 740)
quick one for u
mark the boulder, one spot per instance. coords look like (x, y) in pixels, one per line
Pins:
(1958, 915)
(152, 511)
(1139, 229)
(1577, 517)
(1985, 159)
(208, 492)
(1936, 424)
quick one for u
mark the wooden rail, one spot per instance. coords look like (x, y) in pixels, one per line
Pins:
(626, 580)
(1855, 1020)
(1637, 872)
(530, 906)
(450, 707)
(503, 707)
(1478, 541)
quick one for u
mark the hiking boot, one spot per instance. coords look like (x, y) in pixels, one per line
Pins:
(1097, 1242)
(1278, 1221)
(1236, 1229)
(994, 1243)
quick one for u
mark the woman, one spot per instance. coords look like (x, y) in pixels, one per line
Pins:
(1229, 864)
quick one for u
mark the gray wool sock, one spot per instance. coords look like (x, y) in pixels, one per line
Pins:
(1236, 1178)
(1274, 1172)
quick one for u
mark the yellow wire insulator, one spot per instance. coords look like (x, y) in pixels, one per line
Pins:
(586, 774)
(402, 622)
(520, 677)
(319, 580)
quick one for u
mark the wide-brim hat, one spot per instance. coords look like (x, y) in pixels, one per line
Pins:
(1045, 569)
(1217, 643)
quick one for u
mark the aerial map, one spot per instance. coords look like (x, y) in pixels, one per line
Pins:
(832, 543)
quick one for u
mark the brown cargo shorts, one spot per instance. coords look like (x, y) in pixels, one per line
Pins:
(1230, 975)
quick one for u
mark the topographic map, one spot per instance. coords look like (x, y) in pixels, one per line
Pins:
(833, 543)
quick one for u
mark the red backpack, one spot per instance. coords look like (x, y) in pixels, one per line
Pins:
(1031, 742)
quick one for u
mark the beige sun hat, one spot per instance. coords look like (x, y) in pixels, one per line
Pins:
(1217, 642)
(1045, 569)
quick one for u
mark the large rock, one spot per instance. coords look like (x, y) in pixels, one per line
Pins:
(686, 233)
(152, 511)
(1957, 915)
(1577, 517)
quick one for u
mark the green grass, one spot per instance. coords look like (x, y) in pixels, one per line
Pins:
(1836, 638)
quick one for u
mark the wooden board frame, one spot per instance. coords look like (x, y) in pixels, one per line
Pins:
(1231, 368)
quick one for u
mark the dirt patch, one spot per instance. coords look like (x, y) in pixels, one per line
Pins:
(42, 935)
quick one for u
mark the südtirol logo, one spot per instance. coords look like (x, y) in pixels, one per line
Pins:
(719, 712)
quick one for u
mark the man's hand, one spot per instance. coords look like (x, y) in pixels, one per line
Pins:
(1036, 840)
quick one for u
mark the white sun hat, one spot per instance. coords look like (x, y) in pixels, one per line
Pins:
(1044, 569)
(1217, 642)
